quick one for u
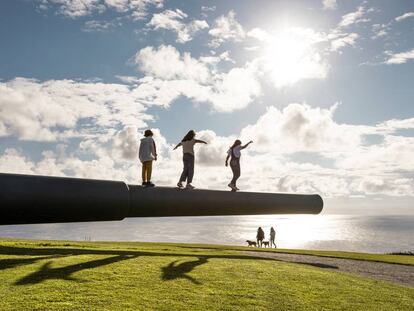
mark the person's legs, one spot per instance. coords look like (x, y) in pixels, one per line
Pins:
(184, 174)
(149, 170)
(235, 167)
(144, 173)
(190, 169)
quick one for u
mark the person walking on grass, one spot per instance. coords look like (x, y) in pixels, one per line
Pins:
(147, 154)
(188, 143)
(234, 154)
(260, 236)
(272, 237)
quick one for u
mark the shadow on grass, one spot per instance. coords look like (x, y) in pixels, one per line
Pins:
(173, 271)
(65, 273)
(170, 272)
(15, 262)
(45, 272)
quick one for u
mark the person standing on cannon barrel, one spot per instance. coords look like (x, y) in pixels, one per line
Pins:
(188, 143)
(260, 236)
(234, 154)
(147, 154)
(272, 237)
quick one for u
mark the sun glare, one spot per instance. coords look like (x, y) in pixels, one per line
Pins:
(291, 56)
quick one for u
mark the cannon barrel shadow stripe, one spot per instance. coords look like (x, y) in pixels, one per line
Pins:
(29, 199)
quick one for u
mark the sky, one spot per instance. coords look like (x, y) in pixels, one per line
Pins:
(323, 88)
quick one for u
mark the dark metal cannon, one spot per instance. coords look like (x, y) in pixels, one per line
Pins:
(26, 199)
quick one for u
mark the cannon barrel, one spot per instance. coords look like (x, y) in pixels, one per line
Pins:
(27, 199)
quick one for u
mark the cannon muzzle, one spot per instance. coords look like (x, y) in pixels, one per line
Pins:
(28, 199)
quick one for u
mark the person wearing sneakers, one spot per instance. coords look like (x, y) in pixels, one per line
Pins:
(147, 154)
(188, 143)
(234, 155)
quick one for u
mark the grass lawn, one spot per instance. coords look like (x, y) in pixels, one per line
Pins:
(59, 275)
(405, 259)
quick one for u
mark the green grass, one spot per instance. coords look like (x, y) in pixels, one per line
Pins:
(45, 275)
(402, 258)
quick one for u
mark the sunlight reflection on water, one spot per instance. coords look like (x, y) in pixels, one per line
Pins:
(339, 232)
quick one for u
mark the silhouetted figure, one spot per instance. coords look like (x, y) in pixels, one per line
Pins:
(234, 154)
(188, 143)
(260, 236)
(272, 237)
(147, 154)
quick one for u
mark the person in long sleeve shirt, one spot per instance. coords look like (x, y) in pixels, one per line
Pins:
(147, 154)
(188, 143)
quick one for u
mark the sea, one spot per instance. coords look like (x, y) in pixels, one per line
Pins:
(374, 234)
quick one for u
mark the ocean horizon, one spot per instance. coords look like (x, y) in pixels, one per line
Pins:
(359, 233)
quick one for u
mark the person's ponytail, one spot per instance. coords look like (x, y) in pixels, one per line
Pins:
(236, 143)
(189, 136)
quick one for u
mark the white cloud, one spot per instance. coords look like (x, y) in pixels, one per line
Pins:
(34, 110)
(385, 186)
(214, 60)
(75, 8)
(208, 8)
(137, 9)
(394, 154)
(329, 4)
(353, 18)
(392, 125)
(128, 79)
(11, 161)
(226, 28)
(404, 16)
(173, 20)
(226, 92)
(215, 152)
(380, 30)
(170, 75)
(382, 168)
(126, 143)
(399, 58)
(346, 40)
(99, 26)
(259, 34)
(235, 89)
(299, 127)
(167, 63)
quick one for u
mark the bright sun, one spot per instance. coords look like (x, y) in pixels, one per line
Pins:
(291, 56)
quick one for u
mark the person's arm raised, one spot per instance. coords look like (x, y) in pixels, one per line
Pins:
(200, 141)
(177, 146)
(246, 145)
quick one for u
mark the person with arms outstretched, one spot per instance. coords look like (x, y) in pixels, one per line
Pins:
(147, 154)
(188, 143)
(234, 154)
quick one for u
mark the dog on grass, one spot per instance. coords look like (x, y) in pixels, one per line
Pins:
(265, 243)
(251, 243)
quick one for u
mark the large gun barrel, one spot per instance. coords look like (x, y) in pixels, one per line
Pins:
(28, 199)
